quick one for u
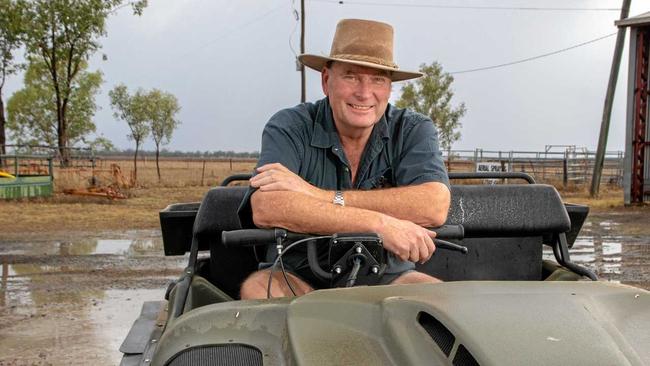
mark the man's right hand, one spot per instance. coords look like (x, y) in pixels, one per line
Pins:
(276, 177)
(407, 240)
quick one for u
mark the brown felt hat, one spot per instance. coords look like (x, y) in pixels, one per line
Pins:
(364, 43)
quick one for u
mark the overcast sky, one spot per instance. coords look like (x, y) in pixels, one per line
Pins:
(231, 66)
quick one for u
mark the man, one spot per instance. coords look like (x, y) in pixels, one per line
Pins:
(350, 163)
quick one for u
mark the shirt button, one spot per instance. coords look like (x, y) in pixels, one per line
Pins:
(346, 169)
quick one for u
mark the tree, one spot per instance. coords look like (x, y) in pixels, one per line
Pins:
(64, 34)
(11, 32)
(431, 95)
(161, 110)
(32, 110)
(133, 110)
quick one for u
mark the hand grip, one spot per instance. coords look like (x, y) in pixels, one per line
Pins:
(449, 232)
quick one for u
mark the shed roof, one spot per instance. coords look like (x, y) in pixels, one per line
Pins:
(640, 20)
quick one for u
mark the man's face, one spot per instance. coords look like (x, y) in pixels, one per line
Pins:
(358, 95)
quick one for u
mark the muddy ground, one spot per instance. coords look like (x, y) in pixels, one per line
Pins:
(69, 295)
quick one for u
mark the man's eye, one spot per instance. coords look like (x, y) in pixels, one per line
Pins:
(351, 78)
(379, 80)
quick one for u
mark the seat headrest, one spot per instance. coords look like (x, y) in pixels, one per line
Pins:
(508, 210)
(218, 211)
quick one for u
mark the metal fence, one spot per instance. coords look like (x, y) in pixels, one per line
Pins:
(569, 167)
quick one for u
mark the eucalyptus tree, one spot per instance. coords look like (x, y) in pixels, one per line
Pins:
(162, 109)
(431, 95)
(11, 37)
(32, 110)
(134, 110)
(63, 34)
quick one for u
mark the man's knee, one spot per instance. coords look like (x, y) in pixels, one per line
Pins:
(256, 286)
(415, 277)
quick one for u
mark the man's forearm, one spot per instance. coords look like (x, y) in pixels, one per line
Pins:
(299, 212)
(302, 213)
(425, 204)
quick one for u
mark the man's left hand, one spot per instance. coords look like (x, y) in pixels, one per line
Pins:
(276, 177)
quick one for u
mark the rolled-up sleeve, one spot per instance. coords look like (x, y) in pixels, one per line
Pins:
(420, 159)
(281, 143)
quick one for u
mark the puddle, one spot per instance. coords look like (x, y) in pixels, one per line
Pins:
(87, 246)
(604, 248)
(93, 329)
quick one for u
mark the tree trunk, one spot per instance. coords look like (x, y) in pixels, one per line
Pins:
(157, 165)
(135, 163)
(3, 139)
(62, 135)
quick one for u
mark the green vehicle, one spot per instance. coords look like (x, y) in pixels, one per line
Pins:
(501, 302)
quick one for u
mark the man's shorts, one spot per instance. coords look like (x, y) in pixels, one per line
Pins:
(295, 262)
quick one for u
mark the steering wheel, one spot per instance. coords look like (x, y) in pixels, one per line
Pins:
(353, 258)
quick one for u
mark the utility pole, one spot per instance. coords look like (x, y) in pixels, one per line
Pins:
(609, 100)
(303, 93)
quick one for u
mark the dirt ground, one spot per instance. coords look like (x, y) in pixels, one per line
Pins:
(76, 270)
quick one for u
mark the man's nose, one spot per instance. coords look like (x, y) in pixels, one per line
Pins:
(363, 89)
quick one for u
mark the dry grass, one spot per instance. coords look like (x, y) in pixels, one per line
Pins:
(60, 213)
(174, 173)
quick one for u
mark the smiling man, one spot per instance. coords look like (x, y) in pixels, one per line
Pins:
(350, 162)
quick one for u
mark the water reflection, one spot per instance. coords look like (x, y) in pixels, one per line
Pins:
(87, 246)
(612, 256)
(66, 300)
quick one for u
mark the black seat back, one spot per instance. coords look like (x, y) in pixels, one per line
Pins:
(504, 230)
(218, 212)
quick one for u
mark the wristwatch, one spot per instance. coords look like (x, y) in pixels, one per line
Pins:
(338, 198)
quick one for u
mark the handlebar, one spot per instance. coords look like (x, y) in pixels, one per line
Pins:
(252, 237)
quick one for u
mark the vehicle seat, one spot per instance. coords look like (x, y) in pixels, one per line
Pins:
(505, 227)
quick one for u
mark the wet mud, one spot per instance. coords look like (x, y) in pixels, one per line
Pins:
(72, 301)
(73, 298)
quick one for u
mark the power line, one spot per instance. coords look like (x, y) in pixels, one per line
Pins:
(534, 57)
(526, 8)
(230, 31)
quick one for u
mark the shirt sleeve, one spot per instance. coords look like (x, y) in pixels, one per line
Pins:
(420, 159)
(281, 143)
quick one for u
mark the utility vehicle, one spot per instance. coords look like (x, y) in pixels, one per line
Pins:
(501, 302)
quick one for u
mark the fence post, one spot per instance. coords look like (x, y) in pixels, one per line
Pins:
(565, 172)
(230, 164)
(203, 173)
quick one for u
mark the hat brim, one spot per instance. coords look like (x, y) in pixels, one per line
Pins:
(317, 63)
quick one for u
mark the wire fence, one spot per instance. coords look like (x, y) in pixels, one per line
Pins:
(569, 168)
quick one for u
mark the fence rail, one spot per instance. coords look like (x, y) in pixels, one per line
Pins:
(569, 167)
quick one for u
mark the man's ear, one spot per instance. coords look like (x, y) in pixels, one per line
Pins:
(324, 78)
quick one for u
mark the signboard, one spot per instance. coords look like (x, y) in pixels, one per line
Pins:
(491, 167)
(485, 167)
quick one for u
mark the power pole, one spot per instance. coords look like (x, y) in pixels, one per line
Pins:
(609, 100)
(303, 93)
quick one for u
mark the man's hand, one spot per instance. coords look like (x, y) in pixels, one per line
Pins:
(407, 240)
(276, 177)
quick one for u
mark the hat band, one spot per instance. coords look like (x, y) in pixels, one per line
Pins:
(374, 60)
